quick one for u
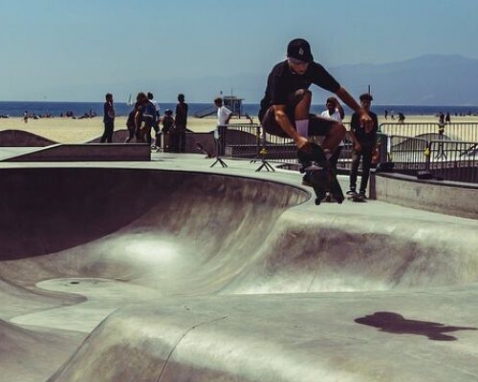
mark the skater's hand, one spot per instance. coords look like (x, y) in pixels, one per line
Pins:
(366, 121)
(357, 147)
(303, 144)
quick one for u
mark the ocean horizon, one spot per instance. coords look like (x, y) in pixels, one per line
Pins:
(55, 109)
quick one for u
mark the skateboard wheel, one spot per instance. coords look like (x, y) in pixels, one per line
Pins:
(317, 201)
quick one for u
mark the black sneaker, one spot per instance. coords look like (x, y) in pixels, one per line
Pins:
(351, 192)
(362, 194)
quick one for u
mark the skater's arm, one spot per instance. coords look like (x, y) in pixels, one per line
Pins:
(284, 122)
(365, 119)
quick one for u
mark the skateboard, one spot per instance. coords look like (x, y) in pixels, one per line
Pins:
(320, 174)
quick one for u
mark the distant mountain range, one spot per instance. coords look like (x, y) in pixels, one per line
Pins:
(427, 80)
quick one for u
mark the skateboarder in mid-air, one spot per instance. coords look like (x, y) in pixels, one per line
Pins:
(285, 108)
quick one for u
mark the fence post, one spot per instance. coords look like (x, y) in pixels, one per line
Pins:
(222, 130)
(383, 146)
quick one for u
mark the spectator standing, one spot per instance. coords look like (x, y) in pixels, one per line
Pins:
(157, 117)
(108, 119)
(224, 115)
(447, 117)
(130, 124)
(401, 118)
(145, 118)
(167, 130)
(181, 122)
(336, 112)
(363, 146)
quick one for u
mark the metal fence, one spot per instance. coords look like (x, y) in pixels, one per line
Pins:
(443, 159)
(466, 131)
(454, 160)
(252, 141)
(249, 141)
(436, 153)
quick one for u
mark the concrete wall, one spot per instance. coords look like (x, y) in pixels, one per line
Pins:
(450, 198)
(87, 152)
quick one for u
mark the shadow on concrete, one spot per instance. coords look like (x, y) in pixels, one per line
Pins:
(397, 324)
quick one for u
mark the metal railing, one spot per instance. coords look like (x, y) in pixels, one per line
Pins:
(466, 131)
(454, 160)
(443, 159)
(436, 153)
(250, 141)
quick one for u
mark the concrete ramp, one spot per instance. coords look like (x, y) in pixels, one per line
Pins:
(20, 138)
(93, 152)
(182, 276)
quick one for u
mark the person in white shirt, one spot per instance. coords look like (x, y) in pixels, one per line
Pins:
(224, 115)
(336, 112)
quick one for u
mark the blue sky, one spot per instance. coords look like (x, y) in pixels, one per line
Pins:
(73, 50)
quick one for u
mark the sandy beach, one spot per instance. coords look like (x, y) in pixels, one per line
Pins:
(67, 130)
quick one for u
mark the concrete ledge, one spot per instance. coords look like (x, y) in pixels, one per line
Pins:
(92, 152)
(451, 198)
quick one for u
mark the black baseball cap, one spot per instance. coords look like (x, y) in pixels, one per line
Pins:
(300, 50)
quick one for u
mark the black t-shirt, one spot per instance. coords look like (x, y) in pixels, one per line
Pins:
(359, 131)
(181, 114)
(282, 82)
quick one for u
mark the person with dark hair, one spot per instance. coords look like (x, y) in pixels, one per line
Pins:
(224, 115)
(157, 118)
(285, 108)
(108, 119)
(335, 111)
(130, 125)
(447, 117)
(181, 122)
(401, 118)
(145, 118)
(364, 141)
(168, 130)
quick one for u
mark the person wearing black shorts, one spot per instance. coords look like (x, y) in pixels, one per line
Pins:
(285, 108)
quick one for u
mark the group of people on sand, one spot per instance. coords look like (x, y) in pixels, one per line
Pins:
(144, 118)
(401, 116)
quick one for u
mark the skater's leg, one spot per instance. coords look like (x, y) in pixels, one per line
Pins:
(335, 157)
(303, 99)
(334, 136)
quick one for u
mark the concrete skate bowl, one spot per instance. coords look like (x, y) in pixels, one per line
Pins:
(20, 138)
(171, 243)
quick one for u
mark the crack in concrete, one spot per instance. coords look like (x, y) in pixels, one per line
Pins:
(163, 369)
